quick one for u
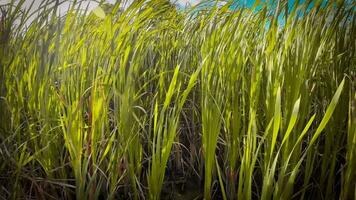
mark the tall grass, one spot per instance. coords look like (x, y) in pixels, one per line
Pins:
(148, 102)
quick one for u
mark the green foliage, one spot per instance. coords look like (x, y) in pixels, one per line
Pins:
(148, 102)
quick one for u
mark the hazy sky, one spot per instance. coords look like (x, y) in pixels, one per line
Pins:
(64, 6)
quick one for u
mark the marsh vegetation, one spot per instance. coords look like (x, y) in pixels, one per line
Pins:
(151, 102)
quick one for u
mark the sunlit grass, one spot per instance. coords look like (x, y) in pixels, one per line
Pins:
(149, 102)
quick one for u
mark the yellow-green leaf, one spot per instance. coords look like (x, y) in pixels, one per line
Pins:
(99, 12)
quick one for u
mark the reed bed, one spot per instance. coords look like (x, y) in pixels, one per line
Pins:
(151, 102)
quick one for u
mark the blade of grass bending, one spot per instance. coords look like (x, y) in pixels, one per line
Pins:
(328, 113)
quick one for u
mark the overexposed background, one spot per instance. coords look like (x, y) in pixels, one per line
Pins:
(92, 4)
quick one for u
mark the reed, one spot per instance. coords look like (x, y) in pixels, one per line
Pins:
(150, 102)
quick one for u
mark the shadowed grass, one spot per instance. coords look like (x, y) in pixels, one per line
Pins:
(147, 102)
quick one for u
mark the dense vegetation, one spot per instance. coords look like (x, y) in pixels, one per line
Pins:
(149, 102)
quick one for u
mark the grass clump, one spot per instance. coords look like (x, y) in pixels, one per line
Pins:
(149, 102)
